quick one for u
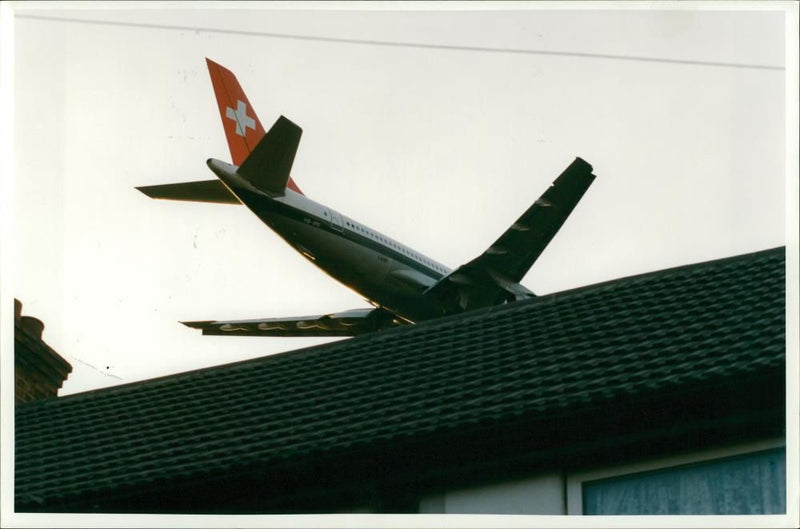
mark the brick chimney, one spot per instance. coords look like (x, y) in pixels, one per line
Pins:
(39, 371)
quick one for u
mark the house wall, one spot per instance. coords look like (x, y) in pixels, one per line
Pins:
(537, 495)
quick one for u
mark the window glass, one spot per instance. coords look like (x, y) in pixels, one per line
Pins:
(748, 484)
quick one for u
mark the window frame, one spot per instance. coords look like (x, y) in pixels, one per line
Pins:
(576, 480)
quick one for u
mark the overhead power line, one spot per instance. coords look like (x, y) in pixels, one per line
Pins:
(418, 45)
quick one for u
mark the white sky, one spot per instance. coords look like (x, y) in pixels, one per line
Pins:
(439, 148)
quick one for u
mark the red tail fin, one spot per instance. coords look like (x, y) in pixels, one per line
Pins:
(243, 129)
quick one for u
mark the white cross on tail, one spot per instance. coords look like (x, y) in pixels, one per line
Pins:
(240, 117)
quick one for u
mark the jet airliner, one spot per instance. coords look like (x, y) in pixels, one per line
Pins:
(402, 285)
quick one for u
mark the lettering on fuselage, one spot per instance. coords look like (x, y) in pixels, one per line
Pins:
(312, 222)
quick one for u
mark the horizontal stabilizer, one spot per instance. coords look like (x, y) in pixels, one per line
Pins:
(270, 163)
(347, 323)
(201, 191)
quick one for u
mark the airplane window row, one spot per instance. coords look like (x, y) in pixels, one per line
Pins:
(394, 245)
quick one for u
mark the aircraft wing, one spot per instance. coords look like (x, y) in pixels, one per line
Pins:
(513, 254)
(347, 323)
(494, 276)
(201, 191)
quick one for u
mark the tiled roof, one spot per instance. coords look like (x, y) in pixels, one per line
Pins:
(659, 332)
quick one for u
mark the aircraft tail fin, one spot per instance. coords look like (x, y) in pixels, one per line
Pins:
(270, 163)
(243, 129)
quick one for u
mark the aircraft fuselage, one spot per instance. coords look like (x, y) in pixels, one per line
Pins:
(387, 273)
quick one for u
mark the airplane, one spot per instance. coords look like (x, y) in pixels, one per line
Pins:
(402, 285)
